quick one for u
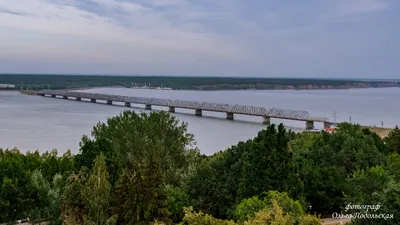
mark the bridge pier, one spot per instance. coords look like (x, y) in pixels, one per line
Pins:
(309, 125)
(53, 96)
(65, 97)
(78, 98)
(229, 116)
(109, 102)
(327, 125)
(267, 120)
(171, 109)
(93, 100)
(127, 104)
(147, 107)
(198, 112)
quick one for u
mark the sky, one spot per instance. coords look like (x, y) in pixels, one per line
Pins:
(254, 38)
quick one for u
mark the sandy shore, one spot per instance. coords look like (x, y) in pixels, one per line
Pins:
(381, 131)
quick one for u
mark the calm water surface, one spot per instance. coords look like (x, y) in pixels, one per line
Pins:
(31, 122)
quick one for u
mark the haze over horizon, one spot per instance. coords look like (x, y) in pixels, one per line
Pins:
(355, 39)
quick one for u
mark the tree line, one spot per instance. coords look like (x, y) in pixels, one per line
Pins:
(143, 168)
(38, 82)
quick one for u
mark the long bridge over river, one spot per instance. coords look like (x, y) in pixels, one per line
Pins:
(198, 107)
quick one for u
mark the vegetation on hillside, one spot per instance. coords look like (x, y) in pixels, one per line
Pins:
(143, 169)
(33, 82)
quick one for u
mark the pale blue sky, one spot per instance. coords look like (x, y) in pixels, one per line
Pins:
(267, 38)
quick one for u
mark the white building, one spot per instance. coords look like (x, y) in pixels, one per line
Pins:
(7, 85)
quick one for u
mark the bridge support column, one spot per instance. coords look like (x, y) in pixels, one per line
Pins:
(229, 116)
(93, 100)
(171, 109)
(78, 98)
(198, 112)
(327, 125)
(65, 97)
(109, 102)
(127, 104)
(309, 125)
(147, 107)
(267, 120)
(53, 96)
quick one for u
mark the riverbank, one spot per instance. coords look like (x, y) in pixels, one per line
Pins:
(27, 81)
(9, 90)
(381, 131)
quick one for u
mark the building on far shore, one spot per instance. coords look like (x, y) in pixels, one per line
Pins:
(7, 85)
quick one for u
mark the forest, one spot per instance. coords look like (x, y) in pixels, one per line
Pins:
(143, 168)
(33, 82)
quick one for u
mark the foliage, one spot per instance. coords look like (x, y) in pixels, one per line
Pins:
(151, 150)
(47, 205)
(271, 216)
(327, 160)
(74, 208)
(177, 199)
(142, 169)
(199, 218)
(38, 81)
(367, 185)
(139, 196)
(377, 186)
(393, 140)
(31, 184)
(245, 170)
(136, 139)
(90, 149)
(97, 192)
(249, 207)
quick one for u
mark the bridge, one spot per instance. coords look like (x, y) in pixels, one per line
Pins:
(198, 107)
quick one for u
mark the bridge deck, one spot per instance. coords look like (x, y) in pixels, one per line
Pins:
(206, 106)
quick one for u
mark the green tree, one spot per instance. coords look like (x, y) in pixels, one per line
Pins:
(377, 185)
(268, 164)
(249, 207)
(139, 196)
(74, 207)
(97, 193)
(16, 194)
(199, 218)
(365, 186)
(245, 170)
(50, 165)
(177, 199)
(47, 205)
(325, 163)
(393, 140)
(130, 138)
(90, 149)
(152, 150)
(66, 164)
(271, 216)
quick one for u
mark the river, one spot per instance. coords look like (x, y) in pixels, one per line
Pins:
(33, 122)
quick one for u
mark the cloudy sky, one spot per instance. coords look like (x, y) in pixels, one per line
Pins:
(267, 38)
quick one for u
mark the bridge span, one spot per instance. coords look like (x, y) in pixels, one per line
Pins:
(198, 107)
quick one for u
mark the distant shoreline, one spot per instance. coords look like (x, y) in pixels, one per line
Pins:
(183, 89)
(75, 82)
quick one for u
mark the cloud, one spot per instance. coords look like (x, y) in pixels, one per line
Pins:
(225, 37)
(360, 6)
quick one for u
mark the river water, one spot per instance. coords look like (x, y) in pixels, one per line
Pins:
(33, 122)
